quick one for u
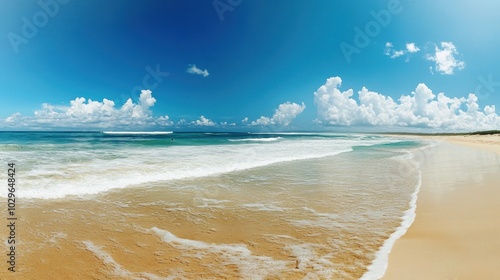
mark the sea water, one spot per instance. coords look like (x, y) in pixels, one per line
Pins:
(234, 205)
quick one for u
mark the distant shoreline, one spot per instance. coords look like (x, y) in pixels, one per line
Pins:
(485, 132)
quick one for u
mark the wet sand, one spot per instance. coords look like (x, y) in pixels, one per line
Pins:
(217, 228)
(456, 231)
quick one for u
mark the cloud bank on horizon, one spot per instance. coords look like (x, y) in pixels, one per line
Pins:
(421, 109)
(83, 113)
(202, 121)
(283, 116)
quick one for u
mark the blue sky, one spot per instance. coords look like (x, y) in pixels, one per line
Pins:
(261, 60)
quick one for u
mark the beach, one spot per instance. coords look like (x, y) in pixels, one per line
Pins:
(456, 229)
(207, 205)
(264, 206)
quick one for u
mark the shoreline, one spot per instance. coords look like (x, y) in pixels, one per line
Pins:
(210, 217)
(454, 234)
(219, 226)
(378, 267)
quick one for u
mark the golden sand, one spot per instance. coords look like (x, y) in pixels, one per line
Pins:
(118, 234)
(112, 236)
(60, 238)
(456, 231)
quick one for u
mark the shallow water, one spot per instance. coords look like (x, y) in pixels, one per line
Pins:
(313, 206)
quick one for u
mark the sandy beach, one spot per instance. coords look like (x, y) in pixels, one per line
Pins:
(281, 221)
(456, 229)
(305, 219)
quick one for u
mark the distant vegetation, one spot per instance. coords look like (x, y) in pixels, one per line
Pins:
(488, 132)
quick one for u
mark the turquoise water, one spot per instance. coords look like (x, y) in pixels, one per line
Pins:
(57, 164)
(172, 139)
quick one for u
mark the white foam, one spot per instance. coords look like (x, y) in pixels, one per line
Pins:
(264, 207)
(202, 202)
(57, 235)
(377, 268)
(138, 132)
(321, 220)
(181, 209)
(58, 173)
(250, 266)
(107, 259)
(117, 268)
(319, 223)
(310, 133)
(270, 139)
(216, 133)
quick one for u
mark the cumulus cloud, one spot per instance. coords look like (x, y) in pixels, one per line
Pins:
(88, 113)
(422, 108)
(389, 51)
(13, 117)
(392, 53)
(202, 121)
(411, 48)
(445, 60)
(283, 116)
(245, 120)
(261, 121)
(164, 121)
(192, 69)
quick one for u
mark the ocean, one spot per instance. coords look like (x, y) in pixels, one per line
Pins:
(212, 205)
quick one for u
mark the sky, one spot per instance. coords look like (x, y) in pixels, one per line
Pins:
(240, 65)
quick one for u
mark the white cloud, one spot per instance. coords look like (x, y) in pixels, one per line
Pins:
(13, 117)
(227, 124)
(164, 120)
(192, 69)
(392, 53)
(261, 121)
(446, 63)
(397, 54)
(411, 48)
(388, 48)
(420, 109)
(245, 120)
(83, 113)
(202, 121)
(283, 116)
(389, 51)
(182, 122)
